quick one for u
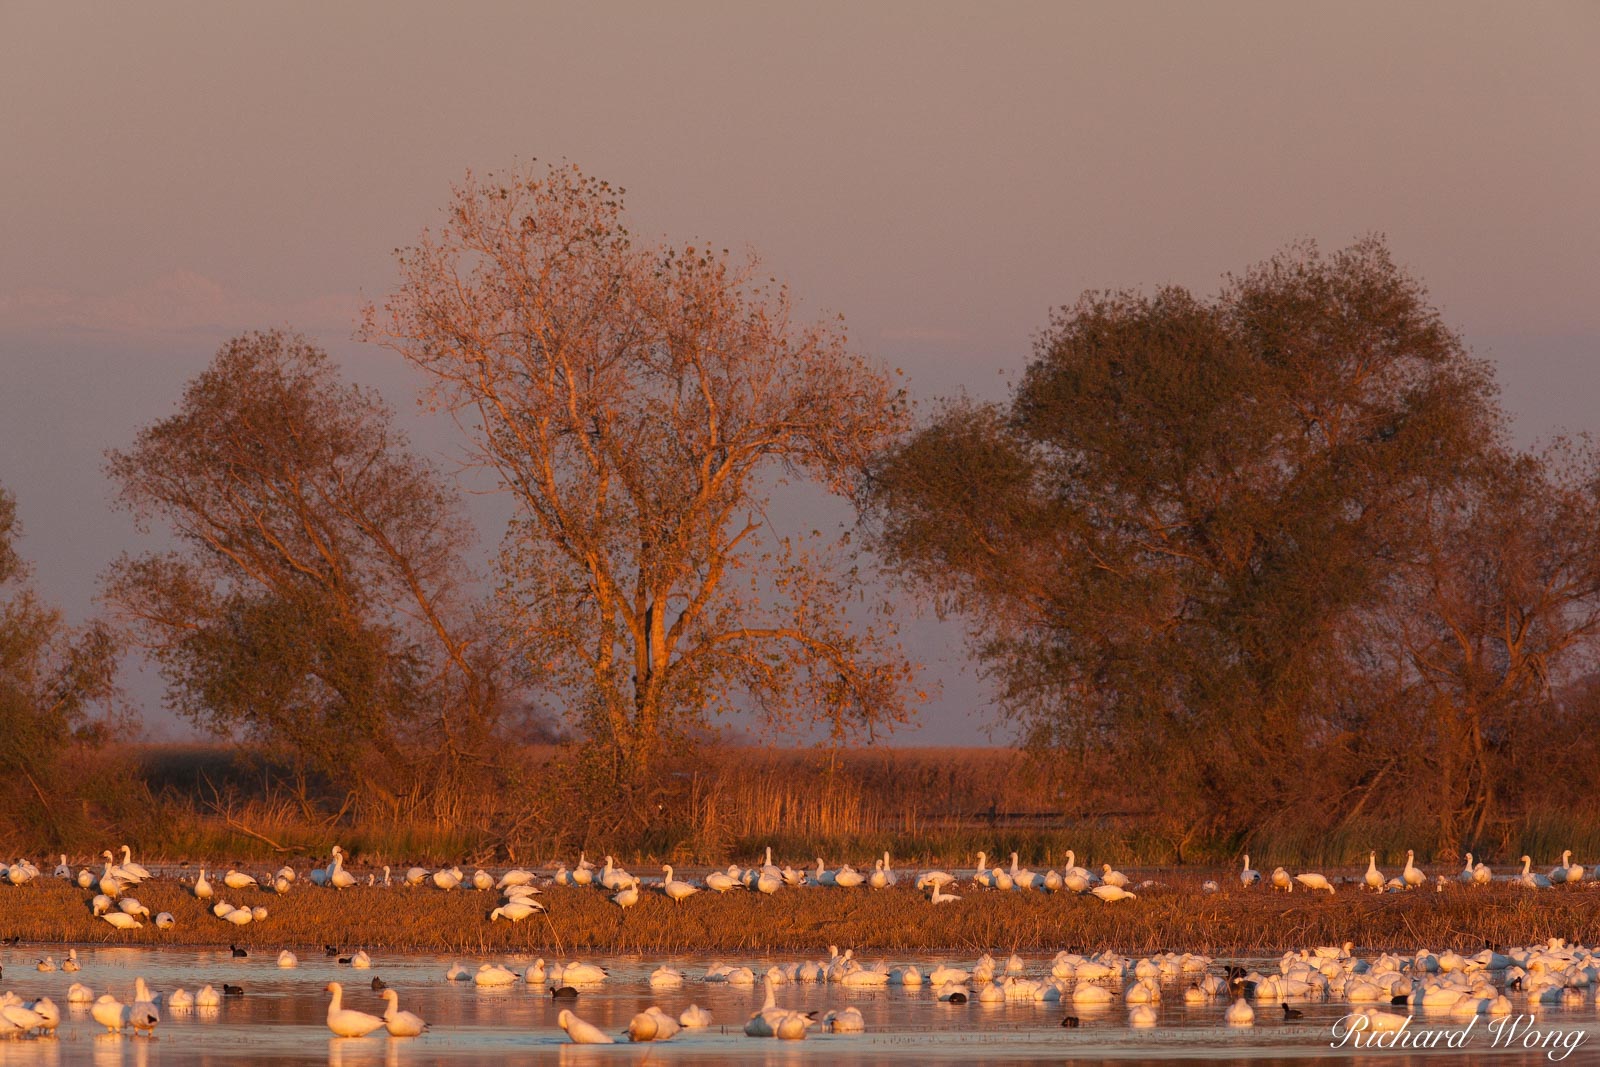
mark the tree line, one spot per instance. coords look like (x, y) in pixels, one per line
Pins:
(1266, 556)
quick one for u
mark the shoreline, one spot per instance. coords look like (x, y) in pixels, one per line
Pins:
(1178, 917)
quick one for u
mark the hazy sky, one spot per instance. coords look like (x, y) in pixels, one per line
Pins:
(940, 174)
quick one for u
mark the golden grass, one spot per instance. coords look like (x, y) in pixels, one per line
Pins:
(927, 806)
(898, 920)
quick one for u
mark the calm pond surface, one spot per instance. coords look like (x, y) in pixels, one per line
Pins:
(281, 1019)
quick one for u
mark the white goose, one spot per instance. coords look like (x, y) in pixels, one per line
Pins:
(1113, 893)
(338, 877)
(879, 878)
(114, 869)
(652, 1024)
(1247, 877)
(128, 866)
(347, 1022)
(1373, 878)
(142, 1014)
(1411, 875)
(516, 910)
(844, 1021)
(773, 1021)
(1530, 880)
(400, 1023)
(694, 1017)
(582, 1033)
(1314, 881)
(677, 890)
(109, 883)
(1022, 878)
(202, 888)
(109, 1012)
(1566, 871)
(722, 881)
(238, 880)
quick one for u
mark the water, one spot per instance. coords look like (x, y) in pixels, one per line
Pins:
(280, 1019)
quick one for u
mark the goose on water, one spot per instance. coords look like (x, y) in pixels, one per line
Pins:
(142, 1014)
(347, 1022)
(109, 1012)
(652, 1024)
(400, 1023)
(581, 1032)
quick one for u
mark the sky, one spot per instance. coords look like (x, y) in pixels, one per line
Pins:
(942, 175)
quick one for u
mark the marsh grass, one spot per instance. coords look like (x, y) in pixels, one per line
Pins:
(926, 806)
(896, 922)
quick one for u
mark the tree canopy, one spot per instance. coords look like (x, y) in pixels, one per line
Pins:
(56, 682)
(317, 600)
(637, 399)
(1220, 542)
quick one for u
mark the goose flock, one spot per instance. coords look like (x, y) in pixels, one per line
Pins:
(1434, 981)
(1382, 988)
(112, 902)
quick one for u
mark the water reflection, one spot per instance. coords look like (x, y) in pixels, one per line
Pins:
(280, 1020)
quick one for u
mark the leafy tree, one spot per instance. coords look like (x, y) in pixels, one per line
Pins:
(316, 600)
(55, 680)
(1171, 541)
(638, 400)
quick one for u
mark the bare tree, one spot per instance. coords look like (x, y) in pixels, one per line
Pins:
(638, 400)
(1496, 614)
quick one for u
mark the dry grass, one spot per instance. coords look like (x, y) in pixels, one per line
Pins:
(928, 806)
(584, 921)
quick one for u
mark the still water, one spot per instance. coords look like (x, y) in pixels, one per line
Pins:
(280, 1020)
